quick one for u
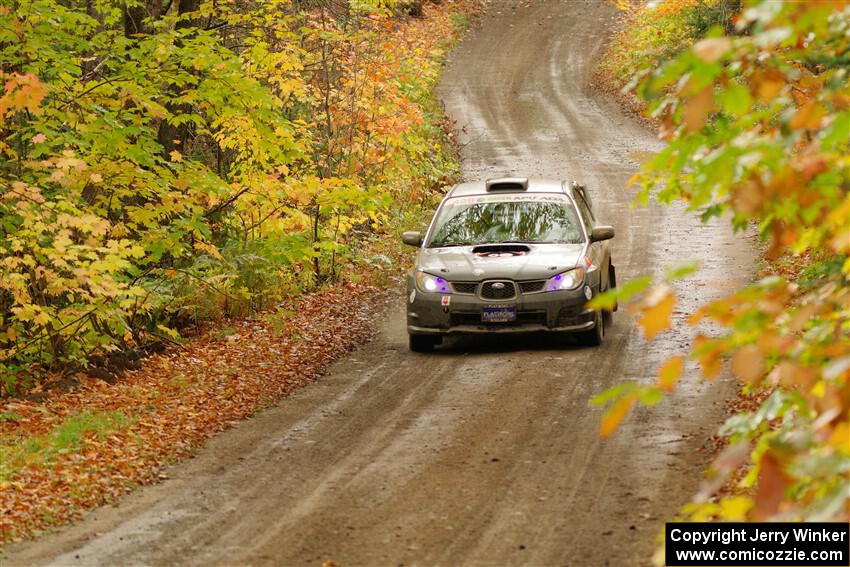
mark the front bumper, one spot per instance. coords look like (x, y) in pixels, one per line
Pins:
(552, 311)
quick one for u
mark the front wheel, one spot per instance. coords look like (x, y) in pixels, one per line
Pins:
(422, 343)
(594, 336)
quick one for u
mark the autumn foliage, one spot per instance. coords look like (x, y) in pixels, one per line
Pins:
(87, 447)
(160, 169)
(756, 115)
(161, 166)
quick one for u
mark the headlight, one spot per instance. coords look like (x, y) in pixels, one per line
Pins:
(566, 280)
(432, 284)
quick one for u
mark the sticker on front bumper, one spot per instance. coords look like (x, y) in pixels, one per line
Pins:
(413, 296)
(446, 300)
(588, 293)
(498, 314)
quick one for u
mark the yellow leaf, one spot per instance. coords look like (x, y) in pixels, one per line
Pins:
(735, 507)
(615, 414)
(41, 318)
(176, 156)
(840, 438)
(208, 248)
(670, 372)
(95, 178)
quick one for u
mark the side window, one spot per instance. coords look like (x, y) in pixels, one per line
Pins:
(586, 215)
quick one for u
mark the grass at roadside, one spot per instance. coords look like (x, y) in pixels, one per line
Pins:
(19, 451)
(88, 446)
(652, 32)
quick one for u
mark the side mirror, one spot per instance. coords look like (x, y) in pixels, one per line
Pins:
(601, 232)
(412, 237)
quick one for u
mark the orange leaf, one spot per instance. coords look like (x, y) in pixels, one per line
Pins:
(793, 376)
(808, 116)
(710, 50)
(766, 85)
(709, 357)
(748, 198)
(748, 363)
(697, 316)
(697, 110)
(615, 414)
(770, 493)
(670, 372)
(655, 317)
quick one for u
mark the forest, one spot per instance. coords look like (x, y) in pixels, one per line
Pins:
(164, 164)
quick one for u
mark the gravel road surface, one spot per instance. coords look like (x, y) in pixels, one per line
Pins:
(484, 452)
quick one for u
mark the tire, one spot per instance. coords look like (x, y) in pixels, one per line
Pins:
(422, 343)
(594, 336)
(608, 318)
(608, 314)
(612, 283)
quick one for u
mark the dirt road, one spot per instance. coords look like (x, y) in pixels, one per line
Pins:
(484, 452)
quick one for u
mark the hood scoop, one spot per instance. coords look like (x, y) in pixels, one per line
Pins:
(500, 250)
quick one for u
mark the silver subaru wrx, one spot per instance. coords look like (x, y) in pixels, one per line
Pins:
(509, 255)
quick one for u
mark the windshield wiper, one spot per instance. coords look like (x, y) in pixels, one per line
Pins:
(447, 245)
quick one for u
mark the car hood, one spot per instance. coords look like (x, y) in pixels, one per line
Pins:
(537, 261)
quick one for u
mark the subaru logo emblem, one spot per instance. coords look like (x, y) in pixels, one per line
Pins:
(498, 285)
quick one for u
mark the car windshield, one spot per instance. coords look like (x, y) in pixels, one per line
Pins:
(492, 219)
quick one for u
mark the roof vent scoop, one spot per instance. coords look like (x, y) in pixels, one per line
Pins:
(507, 184)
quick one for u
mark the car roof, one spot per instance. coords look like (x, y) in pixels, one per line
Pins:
(535, 185)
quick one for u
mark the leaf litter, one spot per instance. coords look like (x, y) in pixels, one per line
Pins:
(54, 465)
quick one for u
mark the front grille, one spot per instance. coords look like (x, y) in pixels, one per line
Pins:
(492, 290)
(464, 287)
(532, 287)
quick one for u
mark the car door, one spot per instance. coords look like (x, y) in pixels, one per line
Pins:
(597, 251)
